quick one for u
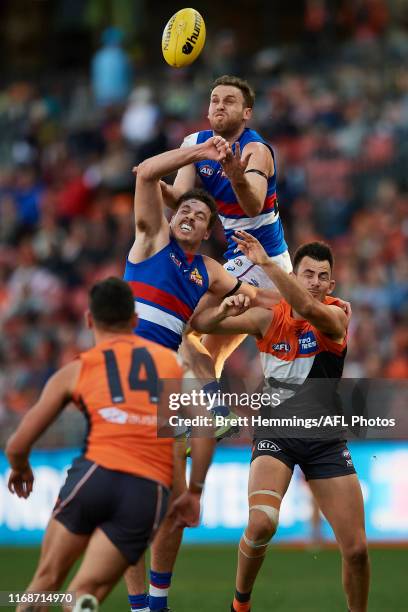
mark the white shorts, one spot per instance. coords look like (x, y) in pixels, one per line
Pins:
(244, 270)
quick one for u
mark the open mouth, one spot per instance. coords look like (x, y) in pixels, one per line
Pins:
(185, 227)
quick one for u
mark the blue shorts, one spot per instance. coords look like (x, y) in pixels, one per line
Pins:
(127, 508)
(315, 458)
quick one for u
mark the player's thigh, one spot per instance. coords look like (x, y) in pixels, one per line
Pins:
(222, 345)
(268, 473)
(102, 566)
(341, 501)
(195, 358)
(60, 549)
(269, 479)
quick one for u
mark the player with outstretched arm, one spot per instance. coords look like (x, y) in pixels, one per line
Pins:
(302, 338)
(243, 185)
(170, 279)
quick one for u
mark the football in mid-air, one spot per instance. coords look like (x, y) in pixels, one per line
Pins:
(183, 38)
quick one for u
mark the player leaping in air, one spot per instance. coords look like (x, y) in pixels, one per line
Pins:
(169, 278)
(243, 185)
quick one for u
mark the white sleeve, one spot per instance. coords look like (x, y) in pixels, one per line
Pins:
(190, 140)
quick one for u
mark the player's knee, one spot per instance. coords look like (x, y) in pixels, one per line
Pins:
(356, 554)
(260, 526)
(264, 508)
(91, 585)
(219, 352)
(50, 576)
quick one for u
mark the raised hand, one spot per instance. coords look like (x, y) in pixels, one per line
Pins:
(234, 165)
(345, 306)
(216, 148)
(250, 247)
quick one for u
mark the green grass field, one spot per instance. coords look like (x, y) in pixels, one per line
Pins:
(291, 580)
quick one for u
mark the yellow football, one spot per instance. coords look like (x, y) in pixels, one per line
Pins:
(183, 38)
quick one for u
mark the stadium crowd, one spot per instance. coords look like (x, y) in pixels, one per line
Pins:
(338, 123)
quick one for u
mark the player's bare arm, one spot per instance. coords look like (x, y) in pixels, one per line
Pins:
(328, 319)
(221, 285)
(56, 394)
(248, 174)
(233, 316)
(169, 193)
(185, 510)
(186, 179)
(151, 225)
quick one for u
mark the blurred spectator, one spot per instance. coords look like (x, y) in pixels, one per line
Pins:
(140, 117)
(111, 70)
(28, 190)
(225, 55)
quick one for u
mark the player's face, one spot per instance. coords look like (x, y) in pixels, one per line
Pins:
(190, 223)
(315, 276)
(227, 111)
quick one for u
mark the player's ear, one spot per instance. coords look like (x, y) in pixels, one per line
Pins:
(89, 322)
(331, 287)
(247, 113)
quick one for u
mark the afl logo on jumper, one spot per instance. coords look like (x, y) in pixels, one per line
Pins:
(207, 170)
(267, 445)
(281, 346)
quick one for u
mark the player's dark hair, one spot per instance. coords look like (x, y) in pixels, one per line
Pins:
(111, 303)
(244, 86)
(320, 251)
(203, 196)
